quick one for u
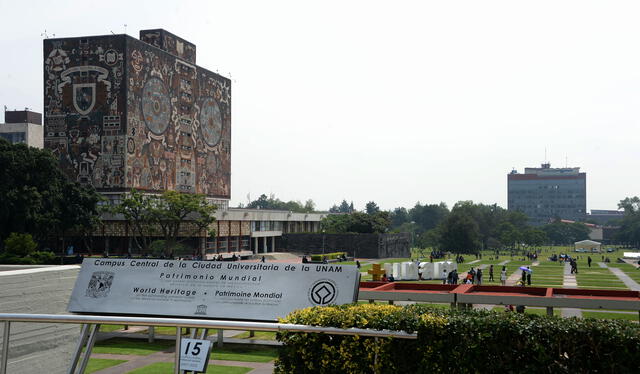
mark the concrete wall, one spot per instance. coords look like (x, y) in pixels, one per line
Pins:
(39, 347)
(358, 245)
(34, 136)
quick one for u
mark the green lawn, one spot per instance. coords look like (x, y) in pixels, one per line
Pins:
(597, 277)
(529, 310)
(609, 315)
(110, 328)
(242, 352)
(167, 367)
(128, 346)
(96, 364)
(260, 335)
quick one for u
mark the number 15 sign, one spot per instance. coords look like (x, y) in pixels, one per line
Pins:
(194, 354)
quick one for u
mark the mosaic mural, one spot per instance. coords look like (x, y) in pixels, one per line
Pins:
(84, 98)
(179, 133)
(166, 126)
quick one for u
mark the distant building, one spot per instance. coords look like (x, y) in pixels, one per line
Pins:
(546, 193)
(605, 217)
(23, 126)
(123, 113)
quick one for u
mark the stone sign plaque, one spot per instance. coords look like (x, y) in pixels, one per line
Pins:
(228, 290)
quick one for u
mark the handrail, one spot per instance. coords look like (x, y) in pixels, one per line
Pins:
(200, 323)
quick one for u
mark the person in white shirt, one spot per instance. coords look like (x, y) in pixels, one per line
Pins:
(503, 276)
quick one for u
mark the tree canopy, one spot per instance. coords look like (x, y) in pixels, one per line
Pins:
(630, 226)
(356, 222)
(174, 216)
(36, 198)
(271, 202)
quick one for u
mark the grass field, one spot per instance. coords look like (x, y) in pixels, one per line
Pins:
(259, 335)
(167, 367)
(128, 346)
(246, 353)
(96, 364)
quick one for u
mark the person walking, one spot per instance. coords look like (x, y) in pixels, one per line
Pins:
(589, 261)
(524, 277)
(528, 276)
(491, 273)
(503, 276)
(444, 277)
(479, 275)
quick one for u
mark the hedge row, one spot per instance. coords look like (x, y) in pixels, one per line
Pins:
(328, 256)
(452, 341)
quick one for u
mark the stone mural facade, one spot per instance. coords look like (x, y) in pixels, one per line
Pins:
(122, 114)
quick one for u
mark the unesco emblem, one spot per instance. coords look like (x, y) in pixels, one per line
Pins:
(100, 284)
(323, 292)
(201, 310)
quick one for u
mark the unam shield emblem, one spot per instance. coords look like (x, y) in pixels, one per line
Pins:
(84, 97)
(100, 284)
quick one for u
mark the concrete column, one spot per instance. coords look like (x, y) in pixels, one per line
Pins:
(273, 244)
(264, 244)
(550, 311)
(255, 246)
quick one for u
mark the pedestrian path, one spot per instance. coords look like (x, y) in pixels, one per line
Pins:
(602, 265)
(569, 281)
(630, 283)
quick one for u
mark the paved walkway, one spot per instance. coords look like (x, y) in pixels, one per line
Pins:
(630, 283)
(569, 281)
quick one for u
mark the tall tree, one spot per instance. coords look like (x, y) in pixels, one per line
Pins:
(180, 216)
(460, 233)
(36, 198)
(372, 208)
(399, 216)
(629, 232)
(428, 216)
(136, 208)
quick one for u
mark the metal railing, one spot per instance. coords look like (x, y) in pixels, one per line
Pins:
(88, 337)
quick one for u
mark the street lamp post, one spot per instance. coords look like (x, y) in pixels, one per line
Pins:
(323, 242)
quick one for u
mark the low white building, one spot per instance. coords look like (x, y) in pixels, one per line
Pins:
(23, 126)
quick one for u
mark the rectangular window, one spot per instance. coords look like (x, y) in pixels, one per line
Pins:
(14, 137)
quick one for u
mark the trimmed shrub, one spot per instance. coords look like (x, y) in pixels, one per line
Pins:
(44, 257)
(20, 244)
(457, 342)
(328, 256)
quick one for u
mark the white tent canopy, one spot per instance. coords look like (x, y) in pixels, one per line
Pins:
(588, 244)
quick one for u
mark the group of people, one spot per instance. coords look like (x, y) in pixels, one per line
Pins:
(532, 256)
(474, 276)
(450, 278)
(574, 265)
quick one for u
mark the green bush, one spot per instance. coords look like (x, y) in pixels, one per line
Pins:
(457, 342)
(328, 256)
(176, 249)
(44, 257)
(20, 244)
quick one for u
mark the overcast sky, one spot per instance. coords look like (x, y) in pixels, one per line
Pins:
(395, 102)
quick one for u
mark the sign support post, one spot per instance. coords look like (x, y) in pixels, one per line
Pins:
(5, 347)
(176, 369)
